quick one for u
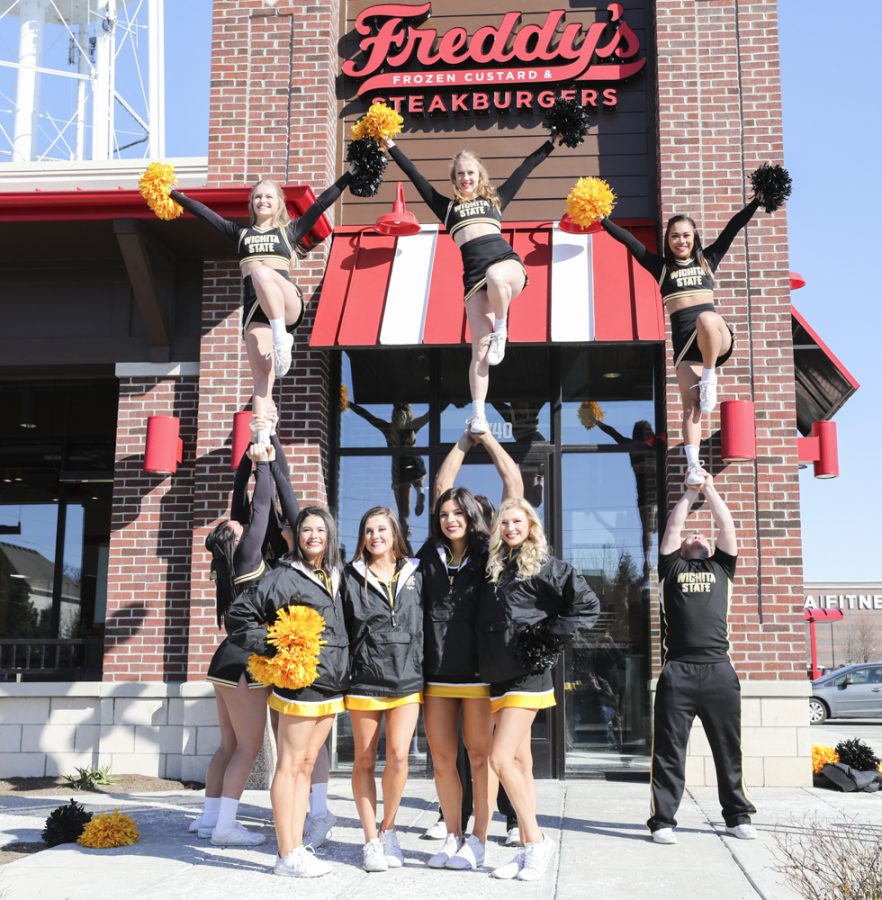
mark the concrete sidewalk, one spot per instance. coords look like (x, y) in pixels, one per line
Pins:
(604, 849)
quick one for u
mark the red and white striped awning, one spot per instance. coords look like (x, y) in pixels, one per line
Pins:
(407, 291)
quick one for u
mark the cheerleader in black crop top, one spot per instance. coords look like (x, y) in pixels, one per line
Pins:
(493, 274)
(700, 336)
(272, 303)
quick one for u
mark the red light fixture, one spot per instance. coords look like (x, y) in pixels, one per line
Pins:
(400, 221)
(822, 449)
(572, 227)
(163, 449)
(737, 430)
(241, 437)
(796, 281)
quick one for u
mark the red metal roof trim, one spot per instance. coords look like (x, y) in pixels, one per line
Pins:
(824, 348)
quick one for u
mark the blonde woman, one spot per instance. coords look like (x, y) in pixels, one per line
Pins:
(527, 589)
(383, 604)
(493, 274)
(272, 303)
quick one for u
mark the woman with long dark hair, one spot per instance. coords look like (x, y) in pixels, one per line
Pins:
(384, 616)
(310, 576)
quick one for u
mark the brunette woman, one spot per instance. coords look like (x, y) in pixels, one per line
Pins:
(310, 576)
(272, 305)
(526, 587)
(384, 617)
(453, 562)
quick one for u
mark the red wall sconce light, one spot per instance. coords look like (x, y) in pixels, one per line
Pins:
(796, 281)
(822, 449)
(737, 430)
(818, 615)
(163, 449)
(241, 437)
(400, 222)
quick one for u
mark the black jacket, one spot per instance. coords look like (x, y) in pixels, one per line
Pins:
(294, 584)
(558, 594)
(385, 640)
(451, 615)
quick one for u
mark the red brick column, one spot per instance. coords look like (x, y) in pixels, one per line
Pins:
(273, 114)
(719, 117)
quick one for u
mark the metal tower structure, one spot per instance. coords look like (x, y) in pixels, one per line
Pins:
(85, 81)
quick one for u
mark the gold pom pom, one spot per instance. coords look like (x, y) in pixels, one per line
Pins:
(590, 413)
(821, 756)
(295, 634)
(109, 830)
(379, 122)
(344, 398)
(589, 200)
(155, 185)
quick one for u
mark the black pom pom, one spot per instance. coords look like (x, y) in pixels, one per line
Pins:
(537, 650)
(858, 755)
(65, 824)
(369, 163)
(567, 120)
(772, 185)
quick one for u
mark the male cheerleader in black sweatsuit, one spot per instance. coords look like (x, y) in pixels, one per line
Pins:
(697, 678)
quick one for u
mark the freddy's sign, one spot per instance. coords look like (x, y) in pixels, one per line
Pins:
(507, 65)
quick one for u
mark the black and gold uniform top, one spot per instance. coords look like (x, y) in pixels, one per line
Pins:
(456, 215)
(273, 244)
(695, 595)
(687, 279)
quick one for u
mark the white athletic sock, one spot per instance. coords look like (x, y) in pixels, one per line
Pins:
(500, 326)
(691, 454)
(318, 800)
(226, 814)
(278, 327)
(478, 409)
(708, 375)
(209, 811)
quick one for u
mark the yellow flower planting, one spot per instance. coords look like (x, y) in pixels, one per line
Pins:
(296, 635)
(379, 122)
(821, 756)
(589, 200)
(590, 413)
(155, 185)
(114, 829)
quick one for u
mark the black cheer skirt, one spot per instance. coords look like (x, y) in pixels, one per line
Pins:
(684, 335)
(478, 255)
(251, 311)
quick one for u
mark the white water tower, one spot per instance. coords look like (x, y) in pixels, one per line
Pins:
(89, 80)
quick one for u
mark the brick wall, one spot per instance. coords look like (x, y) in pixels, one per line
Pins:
(711, 135)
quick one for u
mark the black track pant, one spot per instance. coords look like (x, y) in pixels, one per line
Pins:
(710, 691)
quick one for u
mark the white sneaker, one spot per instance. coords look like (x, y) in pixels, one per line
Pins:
(536, 859)
(318, 829)
(664, 836)
(391, 849)
(745, 831)
(496, 349)
(205, 833)
(436, 831)
(372, 856)
(707, 394)
(510, 869)
(478, 425)
(470, 855)
(513, 837)
(237, 836)
(448, 849)
(301, 862)
(199, 824)
(695, 474)
(282, 355)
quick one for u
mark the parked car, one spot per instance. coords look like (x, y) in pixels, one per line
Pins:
(850, 692)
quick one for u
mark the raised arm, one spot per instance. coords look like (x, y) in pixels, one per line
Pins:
(282, 478)
(509, 472)
(240, 508)
(717, 250)
(228, 229)
(381, 425)
(671, 539)
(299, 228)
(248, 558)
(449, 469)
(727, 537)
(507, 190)
(435, 200)
(650, 261)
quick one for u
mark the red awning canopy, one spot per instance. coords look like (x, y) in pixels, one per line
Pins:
(407, 291)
